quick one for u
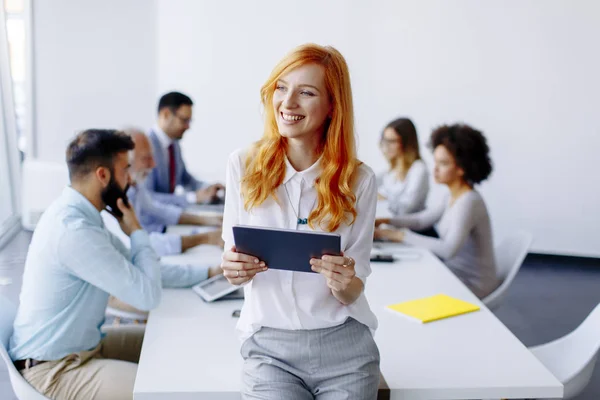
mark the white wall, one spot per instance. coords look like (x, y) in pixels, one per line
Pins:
(523, 71)
(94, 67)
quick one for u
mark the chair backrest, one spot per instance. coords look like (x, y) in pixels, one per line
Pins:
(584, 341)
(7, 317)
(510, 254)
(589, 330)
(41, 183)
(577, 353)
(20, 386)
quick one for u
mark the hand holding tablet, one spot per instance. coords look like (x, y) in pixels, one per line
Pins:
(240, 268)
(258, 248)
(339, 271)
(285, 249)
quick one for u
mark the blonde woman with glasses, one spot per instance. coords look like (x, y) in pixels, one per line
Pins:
(405, 185)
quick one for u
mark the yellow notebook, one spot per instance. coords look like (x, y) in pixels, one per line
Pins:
(433, 308)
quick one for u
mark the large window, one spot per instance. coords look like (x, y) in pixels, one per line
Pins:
(17, 50)
(6, 200)
(9, 159)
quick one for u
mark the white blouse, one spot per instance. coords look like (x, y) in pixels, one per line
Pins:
(299, 300)
(407, 196)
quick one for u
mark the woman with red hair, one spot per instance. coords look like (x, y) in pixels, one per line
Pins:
(305, 335)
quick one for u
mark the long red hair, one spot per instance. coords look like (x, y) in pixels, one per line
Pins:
(265, 165)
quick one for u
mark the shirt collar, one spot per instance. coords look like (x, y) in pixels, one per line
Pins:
(310, 174)
(75, 199)
(163, 138)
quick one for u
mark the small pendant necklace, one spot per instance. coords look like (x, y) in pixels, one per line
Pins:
(301, 221)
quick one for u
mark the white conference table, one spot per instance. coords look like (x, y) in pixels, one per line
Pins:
(191, 350)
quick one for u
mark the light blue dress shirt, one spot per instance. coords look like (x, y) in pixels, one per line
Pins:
(154, 216)
(72, 266)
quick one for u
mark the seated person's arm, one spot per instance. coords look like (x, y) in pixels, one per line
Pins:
(198, 191)
(168, 244)
(168, 214)
(453, 240)
(165, 244)
(96, 256)
(168, 198)
(212, 238)
(160, 212)
(192, 219)
(414, 193)
(187, 275)
(417, 221)
(189, 182)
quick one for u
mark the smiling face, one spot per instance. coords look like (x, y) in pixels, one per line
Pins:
(301, 103)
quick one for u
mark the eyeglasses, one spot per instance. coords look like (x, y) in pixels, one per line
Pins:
(182, 119)
(388, 142)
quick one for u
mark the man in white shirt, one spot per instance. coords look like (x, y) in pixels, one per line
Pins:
(174, 118)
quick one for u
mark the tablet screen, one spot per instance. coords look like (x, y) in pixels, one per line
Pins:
(285, 249)
(217, 286)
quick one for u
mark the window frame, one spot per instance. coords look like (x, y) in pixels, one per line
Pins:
(8, 136)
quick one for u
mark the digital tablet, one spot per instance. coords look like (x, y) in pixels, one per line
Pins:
(214, 288)
(285, 249)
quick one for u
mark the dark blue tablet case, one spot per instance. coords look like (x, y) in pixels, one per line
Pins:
(285, 248)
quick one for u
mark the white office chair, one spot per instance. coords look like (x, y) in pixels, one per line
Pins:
(20, 386)
(572, 357)
(509, 257)
(41, 183)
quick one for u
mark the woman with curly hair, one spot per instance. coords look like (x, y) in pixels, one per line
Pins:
(462, 160)
(305, 335)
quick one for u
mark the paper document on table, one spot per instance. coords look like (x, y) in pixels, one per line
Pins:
(433, 308)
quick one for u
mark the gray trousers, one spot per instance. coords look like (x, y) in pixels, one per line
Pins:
(325, 364)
